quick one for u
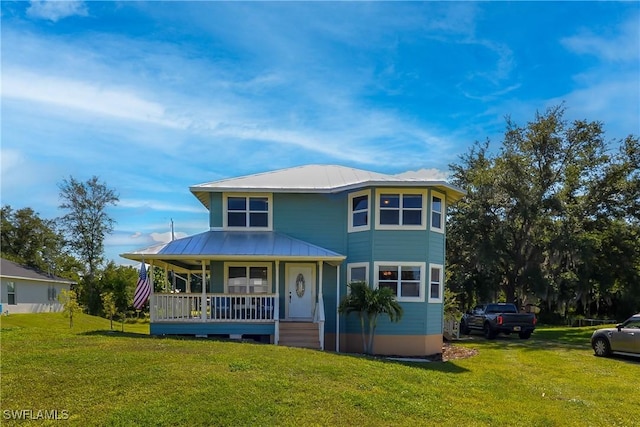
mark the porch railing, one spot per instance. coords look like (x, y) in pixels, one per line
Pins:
(169, 307)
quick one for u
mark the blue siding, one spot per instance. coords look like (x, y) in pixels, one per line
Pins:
(320, 219)
(212, 328)
(215, 212)
(436, 248)
(392, 245)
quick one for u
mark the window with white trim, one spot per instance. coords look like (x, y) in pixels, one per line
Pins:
(436, 282)
(241, 278)
(11, 293)
(359, 211)
(437, 212)
(247, 211)
(405, 279)
(400, 209)
(357, 272)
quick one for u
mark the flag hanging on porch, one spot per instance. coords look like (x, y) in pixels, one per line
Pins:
(143, 288)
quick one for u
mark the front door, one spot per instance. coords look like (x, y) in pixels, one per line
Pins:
(301, 280)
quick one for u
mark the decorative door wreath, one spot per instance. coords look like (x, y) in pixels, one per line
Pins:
(300, 285)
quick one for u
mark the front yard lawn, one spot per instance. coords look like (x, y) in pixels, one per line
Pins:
(99, 377)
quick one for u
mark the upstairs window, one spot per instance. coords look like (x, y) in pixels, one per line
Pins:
(403, 209)
(248, 211)
(406, 279)
(359, 211)
(437, 212)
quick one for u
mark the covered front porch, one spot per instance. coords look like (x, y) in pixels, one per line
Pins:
(262, 285)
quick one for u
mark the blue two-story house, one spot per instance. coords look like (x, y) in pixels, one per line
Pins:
(282, 247)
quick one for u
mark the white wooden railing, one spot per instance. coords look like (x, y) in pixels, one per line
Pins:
(184, 307)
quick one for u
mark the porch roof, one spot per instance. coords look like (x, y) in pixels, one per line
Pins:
(188, 252)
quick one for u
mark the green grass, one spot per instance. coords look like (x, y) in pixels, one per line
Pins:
(123, 379)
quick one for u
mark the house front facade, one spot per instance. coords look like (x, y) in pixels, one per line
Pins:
(282, 247)
(24, 290)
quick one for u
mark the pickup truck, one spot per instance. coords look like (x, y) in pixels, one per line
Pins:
(495, 318)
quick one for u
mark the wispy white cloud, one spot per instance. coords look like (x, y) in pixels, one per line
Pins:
(160, 206)
(621, 45)
(54, 10)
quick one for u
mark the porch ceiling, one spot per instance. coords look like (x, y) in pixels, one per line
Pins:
(188, 253)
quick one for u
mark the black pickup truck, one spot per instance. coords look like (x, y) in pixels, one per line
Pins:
(495, 318)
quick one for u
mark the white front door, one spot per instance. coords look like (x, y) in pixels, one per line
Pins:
(301, 280)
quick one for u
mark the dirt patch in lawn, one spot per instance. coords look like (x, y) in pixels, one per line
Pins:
(453, 352)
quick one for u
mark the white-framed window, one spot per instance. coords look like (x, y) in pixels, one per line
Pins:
(359, 211)
(357, 272)
(247, 278)
(437, 212)
(405, 279)
(401, 209)
(11, 293)
(248, 211)
(436, 283)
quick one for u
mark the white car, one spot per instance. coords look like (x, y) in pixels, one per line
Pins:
(623, 339)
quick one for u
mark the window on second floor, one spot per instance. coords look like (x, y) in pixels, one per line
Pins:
(248, 211)
(401, 209)
(437, 212)
(359, 211)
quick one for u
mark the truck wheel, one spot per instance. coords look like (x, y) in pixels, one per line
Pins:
(524, 335)
(601, 347)
(489, 333)
(464, 329)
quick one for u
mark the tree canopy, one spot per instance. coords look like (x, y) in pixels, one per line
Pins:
(552, 218)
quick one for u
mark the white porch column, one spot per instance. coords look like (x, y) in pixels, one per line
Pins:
(203, 298)
(337, 305)
(188, 285)
(276, 306)
(152, 314)
(166, 278)
(320, 306)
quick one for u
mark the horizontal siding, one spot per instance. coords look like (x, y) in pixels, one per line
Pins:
(436, 248)
(319, 219)
(400, 246)
(359, 246)
(211, 329)
(215, 211)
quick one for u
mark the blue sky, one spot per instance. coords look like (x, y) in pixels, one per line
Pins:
(155, 97)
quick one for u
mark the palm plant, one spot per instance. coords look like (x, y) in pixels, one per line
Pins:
(370, 304)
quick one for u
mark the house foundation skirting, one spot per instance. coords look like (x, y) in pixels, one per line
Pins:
(394, 345)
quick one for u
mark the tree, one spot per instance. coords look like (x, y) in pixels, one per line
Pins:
(537, 218)
(370, 304)
(120, 281)
(85, 225)
(109, 306)
(70, 306)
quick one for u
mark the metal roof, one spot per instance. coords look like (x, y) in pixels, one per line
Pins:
(190, 251)
(318, 179)
(12, 270)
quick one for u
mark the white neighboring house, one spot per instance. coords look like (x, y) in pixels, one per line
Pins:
(23, 290)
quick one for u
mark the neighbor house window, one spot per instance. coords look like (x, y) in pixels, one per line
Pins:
(52, 293)
(357, 272)
(359, 211)
(11, 293)
(401, 209)
(247, 278)
(406, 280)
(253, 211)
(436, 282)
(437, 212)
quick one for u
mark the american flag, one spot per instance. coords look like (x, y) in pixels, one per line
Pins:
(143, 288)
